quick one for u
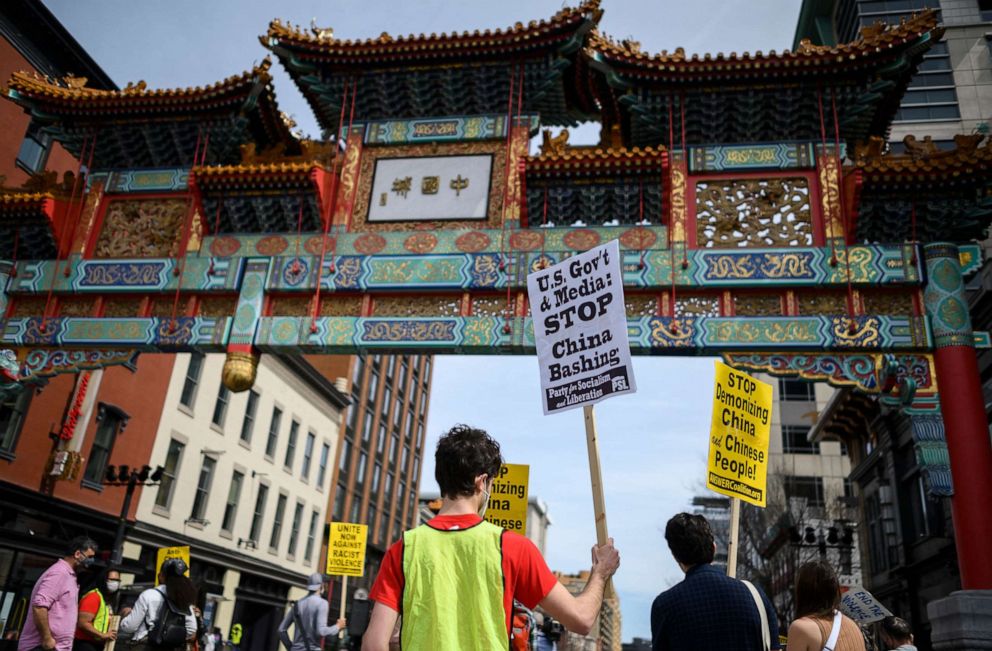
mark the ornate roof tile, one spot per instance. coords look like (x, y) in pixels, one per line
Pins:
(924, 159)
(322, 40)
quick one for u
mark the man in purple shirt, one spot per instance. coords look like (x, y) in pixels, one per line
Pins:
(55, 601)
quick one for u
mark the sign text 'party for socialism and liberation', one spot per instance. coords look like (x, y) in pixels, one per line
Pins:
(580, 329)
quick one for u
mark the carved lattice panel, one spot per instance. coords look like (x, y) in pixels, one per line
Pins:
(78, 307)
(150, 228)
(489, 306)
(641, 305)
(758, 305)
(822, 303)
(414, 306)
(341, 306)
(28, 307)
(889, 303)
(753, 213)
(702, 305)
(295, 305)
(122, 307)
(218, 306)
(162, 307)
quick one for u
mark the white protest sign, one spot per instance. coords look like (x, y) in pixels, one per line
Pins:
(861, 606)
(580, 329)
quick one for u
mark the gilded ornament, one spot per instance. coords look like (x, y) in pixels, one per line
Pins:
(239, 371)
(753, 213)
(149, 228)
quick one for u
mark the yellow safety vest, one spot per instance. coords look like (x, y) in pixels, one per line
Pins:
(102, 620)
(453, 589)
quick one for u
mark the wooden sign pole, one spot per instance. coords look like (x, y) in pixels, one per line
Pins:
(735, 525)
(596, 477)
(344, 599)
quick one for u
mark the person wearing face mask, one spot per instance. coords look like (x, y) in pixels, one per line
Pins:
(454, 579)
(55, 601)
(93, 626)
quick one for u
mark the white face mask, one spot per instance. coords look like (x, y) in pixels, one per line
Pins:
(112, 586)
(485, 503)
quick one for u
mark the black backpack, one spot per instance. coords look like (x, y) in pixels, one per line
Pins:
(169, 629)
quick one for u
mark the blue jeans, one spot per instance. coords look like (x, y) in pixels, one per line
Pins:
(544, 644)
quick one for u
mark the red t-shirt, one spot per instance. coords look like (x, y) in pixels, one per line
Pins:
(90, 603)
(526, 576)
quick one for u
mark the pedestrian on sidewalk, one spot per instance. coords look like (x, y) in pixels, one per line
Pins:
(308, 616)
(708, 609)
(454, 579)
(54, 603)
(896, 634)
(819, 622)
(157, 606)
(93, 626)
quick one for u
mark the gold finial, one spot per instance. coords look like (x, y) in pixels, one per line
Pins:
(239, 371)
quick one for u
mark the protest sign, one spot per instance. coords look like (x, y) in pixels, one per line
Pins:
(861, 606)
(171, 552)
(580, 329)
(739, 430)
(508, 501)
(346, 549)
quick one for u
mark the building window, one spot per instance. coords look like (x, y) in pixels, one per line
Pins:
(808, 488)
(248, 424)
(311, 536)
(233, 497)
(794, 440)
(370, 519)
(294, 532)
(795, 390)
(376, 476)
(203, 490)
(259, 513)
(362, 462)
(877, 549)
(308, 456)
(294, 430)
(339, 502)
(111, 422)
(394, 445)
(270, 443)
(220, 408)
(13, 409)
(277, 522)
(387, 400)
(985, 10)
(367, 428)
(33, 154)
(356, 378)
(373, 387)
(325, 452)
(345, 455)
(405, 458)
(192, 380)
(169, 471)
(388, 492)
(356, 504)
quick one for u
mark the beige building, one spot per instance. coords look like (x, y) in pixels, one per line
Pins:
(246, 486)
(606, 632)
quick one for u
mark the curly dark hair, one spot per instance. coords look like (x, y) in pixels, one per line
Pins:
(817, 590)
(690, 538)
(464, 453)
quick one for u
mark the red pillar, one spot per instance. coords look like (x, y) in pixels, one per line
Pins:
(965, 425)
(968, 445)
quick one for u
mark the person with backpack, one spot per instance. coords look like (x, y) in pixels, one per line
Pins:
(162, 618)
(308, 617)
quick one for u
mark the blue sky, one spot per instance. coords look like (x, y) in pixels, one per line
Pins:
(653, 444)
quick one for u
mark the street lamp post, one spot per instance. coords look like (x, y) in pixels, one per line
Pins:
(124, 475)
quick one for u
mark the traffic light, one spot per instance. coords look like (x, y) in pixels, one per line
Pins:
(111, 475)
(143, 473)
(157, 475)
(123, 472)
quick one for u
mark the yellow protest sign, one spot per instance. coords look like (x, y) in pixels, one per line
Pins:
(346, 549)
(742, 415)
(508, 502)
(171, 552)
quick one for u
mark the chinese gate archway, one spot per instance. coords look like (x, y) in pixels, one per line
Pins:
(758, 216)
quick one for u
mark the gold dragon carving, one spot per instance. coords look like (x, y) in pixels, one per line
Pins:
(142, 229)
(753, 213)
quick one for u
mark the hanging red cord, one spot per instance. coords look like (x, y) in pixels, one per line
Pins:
(315, 306)
(506, 191)
(685, 156)
(180, 268)
(640, 222)
(506, 172)
(220, 202)
(84, 149)
(297, 267)
(823, 152)
(912, 218)
(852, 326)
